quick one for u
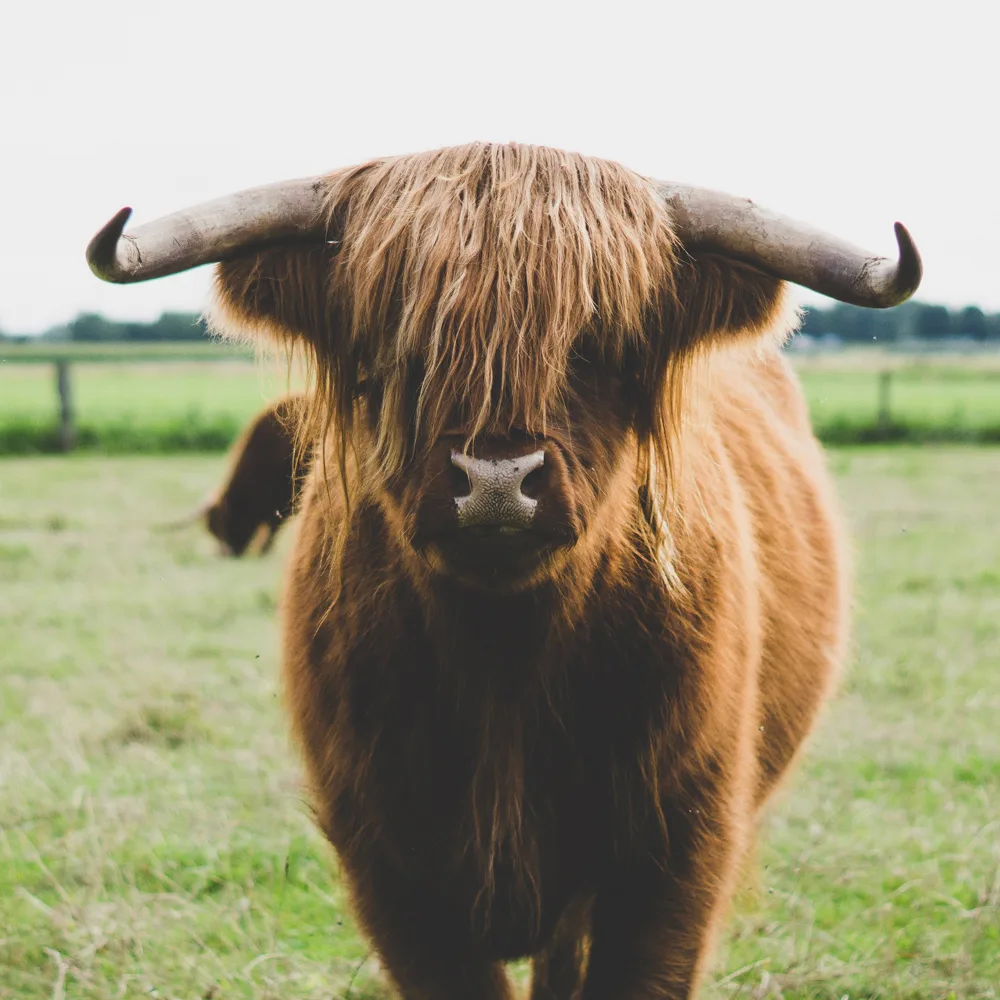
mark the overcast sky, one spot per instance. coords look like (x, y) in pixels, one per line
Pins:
(849, 114)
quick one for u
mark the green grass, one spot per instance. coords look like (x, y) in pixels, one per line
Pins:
(159, 406)
(45, 352)
(926, 403)
(154, 840)
(148, 402)
(153, 833)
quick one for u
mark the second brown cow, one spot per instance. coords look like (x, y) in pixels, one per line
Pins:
(262, 486)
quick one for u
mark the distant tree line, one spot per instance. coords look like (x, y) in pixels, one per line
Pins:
(94, 329)
(910, 321)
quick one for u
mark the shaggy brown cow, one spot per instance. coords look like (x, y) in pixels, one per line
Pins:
(569, 584)
(264, 480)
(262, 486)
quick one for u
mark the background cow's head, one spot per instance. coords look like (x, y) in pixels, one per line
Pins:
(500, 334)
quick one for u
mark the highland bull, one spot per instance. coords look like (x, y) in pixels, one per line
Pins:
(569, 584)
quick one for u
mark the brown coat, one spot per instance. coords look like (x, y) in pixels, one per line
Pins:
(564, 756)
(262, 486)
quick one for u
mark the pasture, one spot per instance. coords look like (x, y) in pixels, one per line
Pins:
(154, 840)
(146, 401)
(163, 398)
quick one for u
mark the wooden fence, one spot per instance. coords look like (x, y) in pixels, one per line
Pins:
(67, 410)
(884, 402)
(63, 367)
(67, 422)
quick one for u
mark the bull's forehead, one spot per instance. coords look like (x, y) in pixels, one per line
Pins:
(480, 257)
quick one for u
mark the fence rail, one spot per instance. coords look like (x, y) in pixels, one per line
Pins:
(67, 425)
(189, 402)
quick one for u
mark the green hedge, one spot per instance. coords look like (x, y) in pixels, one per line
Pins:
(123, 438)
(217, 433)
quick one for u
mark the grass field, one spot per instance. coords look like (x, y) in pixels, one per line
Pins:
(139, 406)
(154, 841)
(152, 399)
(46, 351)
(925, 402)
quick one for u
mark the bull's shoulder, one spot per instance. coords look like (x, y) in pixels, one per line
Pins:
(763, 385)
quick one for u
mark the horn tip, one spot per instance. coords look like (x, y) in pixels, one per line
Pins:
(910, 268)
(102, 250)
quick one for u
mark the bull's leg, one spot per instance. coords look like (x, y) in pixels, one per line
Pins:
(557, 973)
(423, 968)
(653, 927)
(454, 978)
(268, 540)
(419, 944)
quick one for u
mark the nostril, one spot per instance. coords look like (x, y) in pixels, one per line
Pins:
(458, 481)
(493, 489)
(531, 485)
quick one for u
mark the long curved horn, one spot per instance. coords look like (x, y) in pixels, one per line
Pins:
(713, 220)
(209, 232)
(793, 250)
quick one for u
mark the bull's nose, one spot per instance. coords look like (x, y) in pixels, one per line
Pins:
(495, 499)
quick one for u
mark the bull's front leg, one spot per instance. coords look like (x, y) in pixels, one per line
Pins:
(557, 972)
(654, 923)
(420, 944)
(439, 976)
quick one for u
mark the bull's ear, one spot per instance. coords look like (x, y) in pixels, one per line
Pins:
(280, 294)
(722, 301)
(714, 302)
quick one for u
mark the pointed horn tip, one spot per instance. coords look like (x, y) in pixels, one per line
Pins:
(909, 268)
(102, 250)
(907, 247)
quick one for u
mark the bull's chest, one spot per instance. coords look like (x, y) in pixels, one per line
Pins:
(513, 884)
(505, 842)
(497, 782)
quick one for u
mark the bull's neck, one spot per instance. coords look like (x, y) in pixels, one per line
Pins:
(532, 626)
(525, 619)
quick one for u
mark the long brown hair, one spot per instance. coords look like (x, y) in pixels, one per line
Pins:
(468, 275)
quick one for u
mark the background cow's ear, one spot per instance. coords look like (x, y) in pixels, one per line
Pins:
(281, 294)
(720, 301)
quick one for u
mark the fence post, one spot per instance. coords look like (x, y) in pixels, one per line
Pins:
(67, 428)
(884, 407)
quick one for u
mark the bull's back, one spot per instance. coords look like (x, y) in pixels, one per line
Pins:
(764, 433)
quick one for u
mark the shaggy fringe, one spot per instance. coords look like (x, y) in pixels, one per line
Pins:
(455, 287)
(454, 291)
(487, 262)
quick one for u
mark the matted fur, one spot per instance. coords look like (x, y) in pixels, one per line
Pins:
(570, 770)
(471, 274)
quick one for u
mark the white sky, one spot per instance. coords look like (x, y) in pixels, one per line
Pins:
(849, 114)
